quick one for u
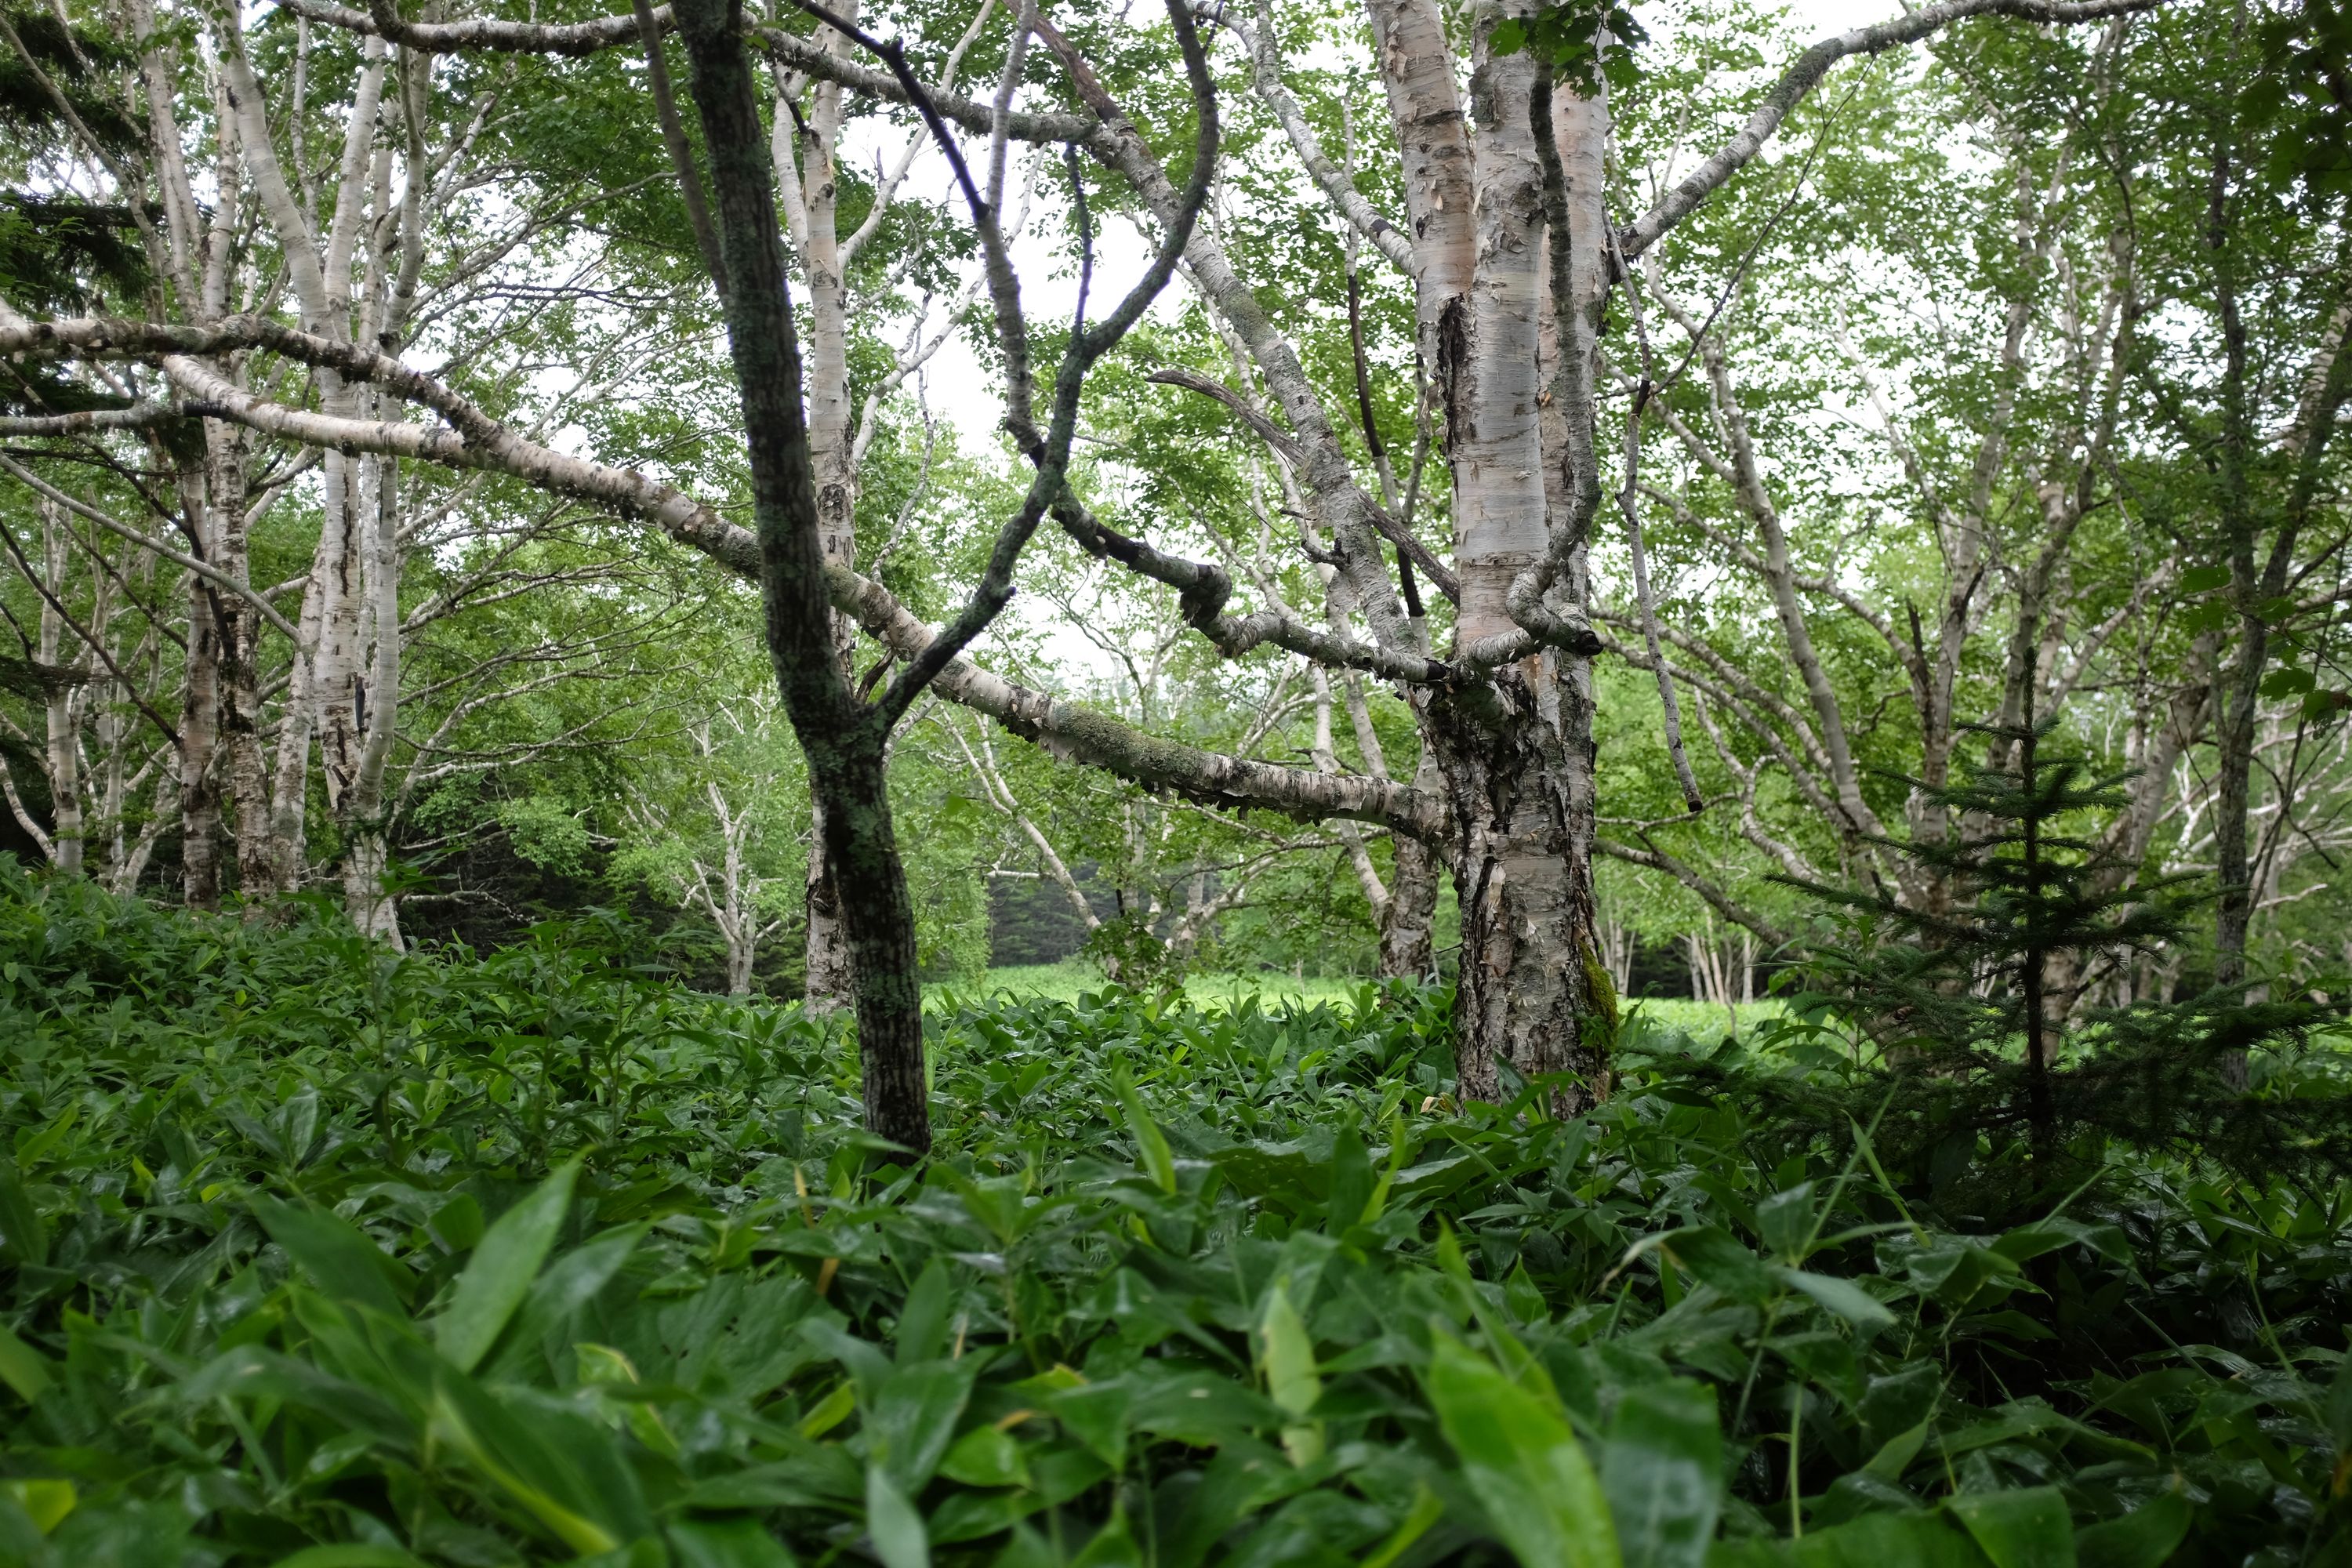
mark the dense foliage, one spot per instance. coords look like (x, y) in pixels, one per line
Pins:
(318, 1254)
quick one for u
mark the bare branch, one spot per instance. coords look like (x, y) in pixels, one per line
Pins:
(1813, 65)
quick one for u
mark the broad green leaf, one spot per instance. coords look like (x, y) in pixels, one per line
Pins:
(1291, 1380)
(1662, 1468)
(923, 1321)
(563, 1469)
(2145, 1538)
(22, 1367)
(1522, 1462)
(1785, 1220)
(1842, 1297)
(831, 1411)
(1894, 1455)
(1899, 1400)
(1113, 1546)
(726, 1544)
(2025, 1528)
(256, 1371)
(1427, 1509)
(1351, 1179)
(2204, 579)
(44, 1502)
(23, 1240)
(353, 1554)
(914, 1419)
(1151, 1143)
(1873, 1541)
(899, 1538)
(499, 1275)
(1097, 1415)
(1523, 1296)
(1717, 1257)
(568, 1283)
(2287, 683)
(337, 1255)
(984, 1457)
(2338, 1409)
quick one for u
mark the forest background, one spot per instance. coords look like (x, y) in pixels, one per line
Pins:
(2009, 377)
(1573, 501)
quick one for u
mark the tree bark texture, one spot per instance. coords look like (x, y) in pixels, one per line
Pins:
(1532, 989)
(844, 742)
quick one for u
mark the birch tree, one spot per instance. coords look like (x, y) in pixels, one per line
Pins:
(1519, 257)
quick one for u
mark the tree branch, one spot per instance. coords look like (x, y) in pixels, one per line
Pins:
(1813, 65)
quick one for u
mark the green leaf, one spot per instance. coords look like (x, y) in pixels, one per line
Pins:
(2204, 579)
(567, 1471)
(2025, 1528)
(2339, 1411)
(923, 1321)
(1096, 1415)
(1842, 1296)
(726, 1544)
(1151, 1145)
(22, 1367)
(1873, 1541)
(1785, 1219)
(353, 1554)
(499, 1273)
(1522, 1462)
(2288, 683)
(1894, 1455)
(1662, 1468)
(1291, 1380)
(1523, 1296)
(899, 1538)
(2145, 1538)
(1427, 1509)
(336, 1254)
(23, 1240)
(44, 1502)
(831, 1411)
(914, 1419)
(2320, 704)
(984, 1457)
(1351, 1179)
(1113, 1546)
(1715, 1258)
(1509, 37)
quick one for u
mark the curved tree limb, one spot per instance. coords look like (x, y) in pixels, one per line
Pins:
(1082, 734)
(1068, 730)
(1266, 57)
(1722, 904)
(580, 39)
(1287, 448)
(1807, 73)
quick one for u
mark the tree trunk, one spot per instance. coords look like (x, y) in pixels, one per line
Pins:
(1533, 991)
(830, 983)
(811, 185)
(1518, 757)
(878, 914)
(363, 806)
(1407, 942)
(846, 741)
(200, 716)
(63, 708)
(240, 713)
